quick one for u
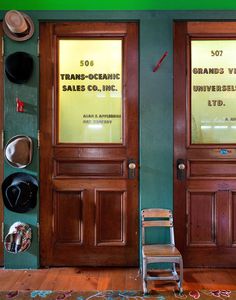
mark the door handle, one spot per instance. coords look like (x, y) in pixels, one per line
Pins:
(181, 169)
(131, 168)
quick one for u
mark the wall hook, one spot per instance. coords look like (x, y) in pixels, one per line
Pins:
(159, 62)
(19, 105)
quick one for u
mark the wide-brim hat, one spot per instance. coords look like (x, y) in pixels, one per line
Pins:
(19, 151)
(18, 26)
(19, 67)
(18, 238)
(19, 192)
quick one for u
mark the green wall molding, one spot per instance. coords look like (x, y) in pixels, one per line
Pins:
(118, 5)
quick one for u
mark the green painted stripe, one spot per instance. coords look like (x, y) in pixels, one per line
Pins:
(117, 4)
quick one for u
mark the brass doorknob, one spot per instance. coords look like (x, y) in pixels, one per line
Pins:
(181, 166)
(132, 166)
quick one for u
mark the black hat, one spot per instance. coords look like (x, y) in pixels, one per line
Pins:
(19, 67)
(19, 192)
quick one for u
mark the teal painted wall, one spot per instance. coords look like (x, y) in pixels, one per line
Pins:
(22, 123)
(155, 100)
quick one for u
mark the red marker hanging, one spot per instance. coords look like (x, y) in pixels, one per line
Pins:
(19, 105)
(160, 61)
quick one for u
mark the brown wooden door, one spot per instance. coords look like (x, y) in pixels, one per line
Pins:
(1, 150)
(204, 172)
(88, 194)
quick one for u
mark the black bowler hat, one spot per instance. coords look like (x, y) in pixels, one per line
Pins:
(19, 192)
(19, 67)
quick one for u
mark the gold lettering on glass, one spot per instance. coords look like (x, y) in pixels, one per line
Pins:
(90, 91)
(213, 91)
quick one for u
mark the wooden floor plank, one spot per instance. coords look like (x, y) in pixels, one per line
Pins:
(34, 279)
(88, 279)
(104, 280)
(133, 279)
(28, 280)
(193, 279)
(118, 279)
(8, 278)
(84, 279)
(232, 281)
(49, 282)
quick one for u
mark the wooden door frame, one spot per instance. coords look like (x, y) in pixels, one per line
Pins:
(179, 88)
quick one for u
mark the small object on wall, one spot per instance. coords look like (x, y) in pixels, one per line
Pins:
(18, 238)
(225, 151)
(19, 105)
(18, 26)
(160, 61)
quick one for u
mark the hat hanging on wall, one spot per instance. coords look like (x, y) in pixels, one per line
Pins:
(19, 67)
(18, 26)
(18, 151)
(19, 192)
(18, 238)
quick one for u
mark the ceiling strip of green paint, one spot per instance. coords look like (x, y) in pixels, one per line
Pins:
(117, 5)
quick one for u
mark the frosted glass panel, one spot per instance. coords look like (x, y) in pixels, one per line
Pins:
(213, 91)
(90, 91)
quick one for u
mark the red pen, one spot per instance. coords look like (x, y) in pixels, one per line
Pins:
(160, 61)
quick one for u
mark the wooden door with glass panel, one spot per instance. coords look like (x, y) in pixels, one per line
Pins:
(205, 142)
(89, 144)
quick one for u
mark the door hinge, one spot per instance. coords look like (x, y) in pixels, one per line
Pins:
(38, 228)
(3, 52)
(53, 228)
(2, 139)
(187, 220)
(2, 232)
(38, 138)
(38, 47)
